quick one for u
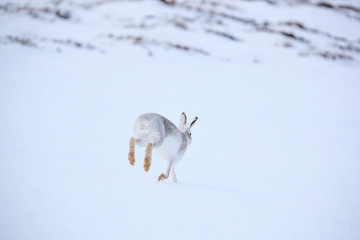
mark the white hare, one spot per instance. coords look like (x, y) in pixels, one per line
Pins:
(155, 131)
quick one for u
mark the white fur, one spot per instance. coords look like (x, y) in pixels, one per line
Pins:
(169, 141)
(169, 148)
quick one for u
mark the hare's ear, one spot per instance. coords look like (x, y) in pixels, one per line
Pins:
(183, 119)
(193, 122)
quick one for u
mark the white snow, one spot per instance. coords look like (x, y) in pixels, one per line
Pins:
(275, 153)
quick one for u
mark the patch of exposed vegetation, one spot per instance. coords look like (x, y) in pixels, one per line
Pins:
(140, 40)
(35, 12)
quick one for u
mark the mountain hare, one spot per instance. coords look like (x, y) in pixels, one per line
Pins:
(155, 131)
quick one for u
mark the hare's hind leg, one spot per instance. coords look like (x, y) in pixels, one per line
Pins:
(147, 160)
(131, 156)
(164, 176)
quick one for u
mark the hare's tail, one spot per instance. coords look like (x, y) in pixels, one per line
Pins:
(141, 131)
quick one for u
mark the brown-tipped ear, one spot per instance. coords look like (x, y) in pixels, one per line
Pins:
(184, 118)
(193, 122)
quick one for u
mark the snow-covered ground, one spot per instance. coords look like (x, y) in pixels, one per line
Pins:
(275, 152)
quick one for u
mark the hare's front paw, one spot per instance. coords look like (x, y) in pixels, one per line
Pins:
(162, 177)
